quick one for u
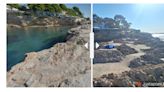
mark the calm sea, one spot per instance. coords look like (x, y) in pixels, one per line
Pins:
(21, 41)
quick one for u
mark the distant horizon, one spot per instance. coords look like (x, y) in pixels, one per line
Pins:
(146, 17)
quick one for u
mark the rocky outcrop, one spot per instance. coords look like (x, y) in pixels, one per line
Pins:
(126, 50)
(151, 59)
(157, 52)
(142, 63)
(107, 56)
(136, 63)
(145, 60)
(26, 21)
(63, 65)
(145, 38)
(145, 70)
(141, 77)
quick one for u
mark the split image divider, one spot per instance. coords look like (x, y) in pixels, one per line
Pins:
(46, 45)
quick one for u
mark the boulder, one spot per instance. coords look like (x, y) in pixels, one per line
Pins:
(136, 63)
(144, 60)
(151, 59)
(107, 56)
(153, 74)
(126, 50)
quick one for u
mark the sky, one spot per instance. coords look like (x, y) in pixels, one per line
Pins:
(146, 17)
(85, 8)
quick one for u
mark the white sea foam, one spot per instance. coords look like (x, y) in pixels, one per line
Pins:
(160, 36)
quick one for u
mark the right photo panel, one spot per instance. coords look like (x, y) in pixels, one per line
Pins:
(129, 41)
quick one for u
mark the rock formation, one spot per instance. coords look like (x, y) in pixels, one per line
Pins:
(26, 21)
(126, 50)
(146, 70)
(63, 65)
(145, 66)
(142, 75)
(107, 56)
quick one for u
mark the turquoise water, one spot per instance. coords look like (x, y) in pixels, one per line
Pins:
(21, 41)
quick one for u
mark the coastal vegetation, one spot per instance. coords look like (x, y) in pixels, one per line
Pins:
(47, 9)
(118, 21)
(26, 15)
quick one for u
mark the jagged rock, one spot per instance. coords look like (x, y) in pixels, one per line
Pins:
(111, 80)
(121, 82)
(138, 76)
(146, 66)
(126, 50)
(107, 56)
(153, 74)
(157, 52)
(25, 21)
(151, 59)
(109, 76)
(144, 60)
(136, 63)
(101, 82)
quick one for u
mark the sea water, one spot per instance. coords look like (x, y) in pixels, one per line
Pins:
(160, 36)
(21, 41)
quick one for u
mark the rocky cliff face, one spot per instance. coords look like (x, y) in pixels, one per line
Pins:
(63, 65)
(25, 21)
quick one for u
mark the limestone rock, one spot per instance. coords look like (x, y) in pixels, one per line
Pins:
(107, 56)
(146, 74)
(126, 50)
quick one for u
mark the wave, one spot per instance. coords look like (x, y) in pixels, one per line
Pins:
(160, 36)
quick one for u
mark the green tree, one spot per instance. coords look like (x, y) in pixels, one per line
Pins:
(36, 7)
(121, 22)
(56, 8)
(76, 9)
(22, 8)
(109, 22)
(41, 7)
(17, 6)
(32, 7)
(119, 18)
(63, 7)
(49, 7)
(71, 12)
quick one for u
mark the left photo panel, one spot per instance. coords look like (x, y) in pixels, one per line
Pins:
(47, 45)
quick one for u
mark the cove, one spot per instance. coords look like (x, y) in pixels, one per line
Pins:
(21, 41)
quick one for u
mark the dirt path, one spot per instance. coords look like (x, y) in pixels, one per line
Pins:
(119, 67)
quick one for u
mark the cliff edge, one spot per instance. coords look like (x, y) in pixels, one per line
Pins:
(63, 65)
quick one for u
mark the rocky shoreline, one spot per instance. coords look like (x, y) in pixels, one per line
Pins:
(63, 65)
(31, 21)
(144, 64)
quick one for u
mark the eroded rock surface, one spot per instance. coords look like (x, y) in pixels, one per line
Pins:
(126, 50)
(28, 21)
(135, 77)
(107, 56)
